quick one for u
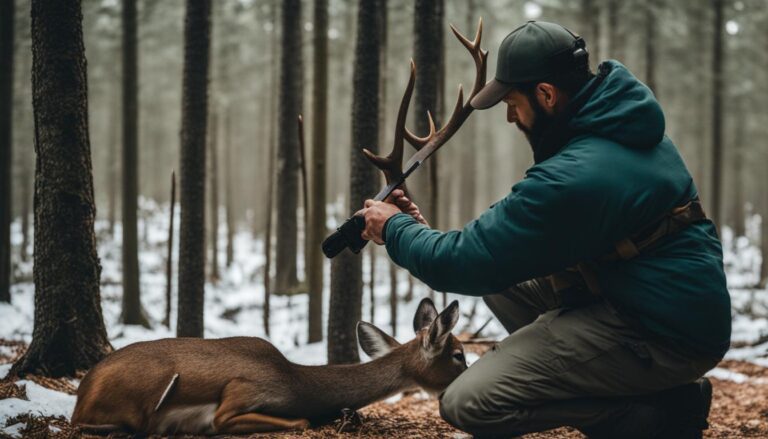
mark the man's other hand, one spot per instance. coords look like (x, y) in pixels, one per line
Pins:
(407, 206)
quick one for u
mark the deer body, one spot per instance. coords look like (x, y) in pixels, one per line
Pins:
(244, 384)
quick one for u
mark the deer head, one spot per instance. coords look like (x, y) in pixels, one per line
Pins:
(434, 358)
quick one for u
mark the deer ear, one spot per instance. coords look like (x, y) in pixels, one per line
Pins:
(425, 315)
(443, 324)
(374, 341)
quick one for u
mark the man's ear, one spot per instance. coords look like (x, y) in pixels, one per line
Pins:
(374, 341)
(548, 96)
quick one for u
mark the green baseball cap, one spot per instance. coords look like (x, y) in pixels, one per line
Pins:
(534, 51)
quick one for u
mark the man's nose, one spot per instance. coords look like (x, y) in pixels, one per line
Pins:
(511, 114)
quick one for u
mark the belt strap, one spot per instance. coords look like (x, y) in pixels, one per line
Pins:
(584, 274)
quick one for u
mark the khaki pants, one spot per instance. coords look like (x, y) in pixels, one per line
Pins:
(575, 365)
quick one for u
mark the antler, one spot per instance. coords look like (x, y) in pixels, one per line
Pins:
(392, 165)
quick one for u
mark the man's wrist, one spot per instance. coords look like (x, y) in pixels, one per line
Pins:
(387, 222)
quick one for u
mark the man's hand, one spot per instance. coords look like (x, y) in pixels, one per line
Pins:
(377, 213)
(407, 206)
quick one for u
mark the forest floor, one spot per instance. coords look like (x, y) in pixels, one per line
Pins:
(739, 410)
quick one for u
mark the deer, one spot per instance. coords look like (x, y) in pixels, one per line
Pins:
(243, 385)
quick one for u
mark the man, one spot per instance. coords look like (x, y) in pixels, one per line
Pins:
(600, 263)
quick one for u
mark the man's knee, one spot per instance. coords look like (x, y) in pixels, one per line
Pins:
(473, 411)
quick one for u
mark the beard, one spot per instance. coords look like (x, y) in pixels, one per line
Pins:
(541, 124)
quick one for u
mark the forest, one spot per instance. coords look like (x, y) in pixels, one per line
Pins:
(171, 169)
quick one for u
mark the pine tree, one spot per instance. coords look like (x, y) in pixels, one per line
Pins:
(288, 146)
(317, 230)
(7, 16)
(132, 311)
(346, 268)
(197, 28)
(69, 333)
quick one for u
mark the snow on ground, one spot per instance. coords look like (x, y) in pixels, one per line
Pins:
(234, 305)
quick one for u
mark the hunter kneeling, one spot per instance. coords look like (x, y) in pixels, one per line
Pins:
(600, 263)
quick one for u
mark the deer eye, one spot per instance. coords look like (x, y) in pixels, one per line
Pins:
(459, 356)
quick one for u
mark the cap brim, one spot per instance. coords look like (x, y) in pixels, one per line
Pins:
(490, 95)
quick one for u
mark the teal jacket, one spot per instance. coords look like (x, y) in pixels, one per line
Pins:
(617, 176)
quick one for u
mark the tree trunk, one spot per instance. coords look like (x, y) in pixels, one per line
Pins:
(427, 28)
(229, 202)
(346, 268)
(590, 20)
(372, 283)
(69, 333)
(27, 184)
(304, 190)
(317, 230)
(717, 103)
(169, 260)
(112, 168)
(738, 203)
(393, 297)
(197, 27)
(272, 151)
(7, 16)
(213, 208)
(764, 180)
(468, 175)
(651, 15)
(132, 312)
(616, 40)
(287, 162)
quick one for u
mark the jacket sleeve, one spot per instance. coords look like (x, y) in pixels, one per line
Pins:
(535, 230)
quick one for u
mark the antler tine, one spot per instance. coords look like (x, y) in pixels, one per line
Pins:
(419, 142)
(479, 55)
(392, 164)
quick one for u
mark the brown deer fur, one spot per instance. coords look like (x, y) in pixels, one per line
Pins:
(244, 384)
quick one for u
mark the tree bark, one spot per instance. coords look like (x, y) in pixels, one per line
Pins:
(169, 260)
(590, 20)
(112, 168)
(69, 333)
(132, 312)
(346, 268)
(7, 18)
(317, 201)
(468, 175)
(197, 27)
(717, 104)
(271, 152)
(616, 39)
(764, 180)
(228, 176)
(738, 203)
(213, 208)
(393, 297)
(287, 162)
(427, 28)
(651, 15)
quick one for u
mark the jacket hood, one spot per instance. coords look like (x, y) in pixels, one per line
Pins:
(622, 109)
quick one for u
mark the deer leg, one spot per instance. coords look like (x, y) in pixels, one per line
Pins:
(235, 413)
(256, 423)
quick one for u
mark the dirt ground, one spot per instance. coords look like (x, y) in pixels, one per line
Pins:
(739, 410)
